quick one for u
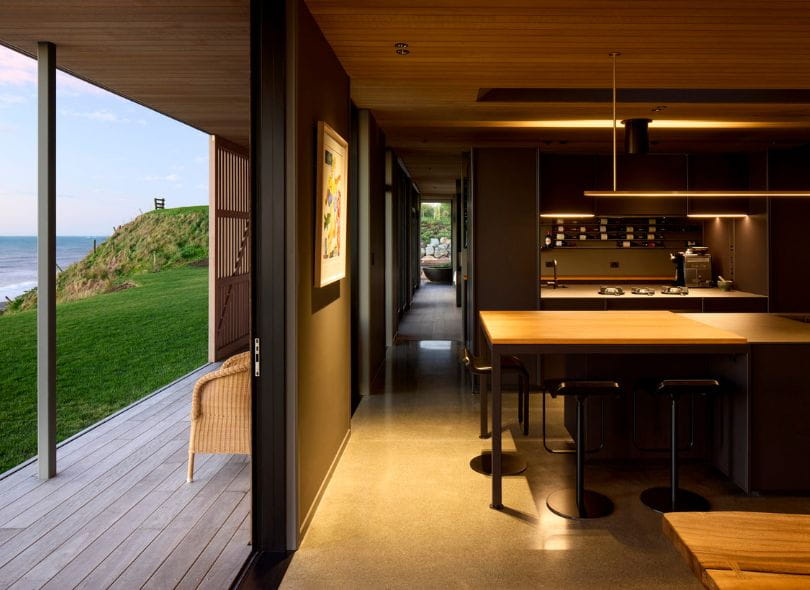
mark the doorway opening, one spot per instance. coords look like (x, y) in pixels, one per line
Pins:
(434, 314)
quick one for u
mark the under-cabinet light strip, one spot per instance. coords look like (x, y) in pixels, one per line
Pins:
(698, 194)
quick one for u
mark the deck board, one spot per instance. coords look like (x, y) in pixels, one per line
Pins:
(120, 513)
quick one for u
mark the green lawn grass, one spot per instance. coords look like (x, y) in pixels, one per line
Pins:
(112, 349)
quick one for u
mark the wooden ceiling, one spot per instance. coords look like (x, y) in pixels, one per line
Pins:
(426, 101)
(188, 59)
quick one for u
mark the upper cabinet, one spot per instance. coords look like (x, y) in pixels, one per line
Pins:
(661, 172)
(563, 180)
(718, 172)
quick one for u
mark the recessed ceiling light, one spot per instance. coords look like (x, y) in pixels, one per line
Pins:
(659, 108)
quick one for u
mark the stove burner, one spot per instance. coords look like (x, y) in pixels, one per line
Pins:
(611, 291)
(643, 291)
(675, 291)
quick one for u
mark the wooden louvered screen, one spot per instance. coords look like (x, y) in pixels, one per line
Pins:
(229, 250)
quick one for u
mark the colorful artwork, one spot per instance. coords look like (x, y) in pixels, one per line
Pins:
(330, 263)
(331, 207)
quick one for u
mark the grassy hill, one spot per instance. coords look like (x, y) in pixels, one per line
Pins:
(112, 349)
(114, 344)
(155, 241)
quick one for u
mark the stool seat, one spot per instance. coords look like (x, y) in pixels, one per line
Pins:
(675, 387)
(585, 388)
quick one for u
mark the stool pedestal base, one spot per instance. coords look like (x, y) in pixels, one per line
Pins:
(564, 503)
(660, 500)
(511, 464)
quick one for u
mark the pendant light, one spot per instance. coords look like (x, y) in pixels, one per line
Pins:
(655, 194)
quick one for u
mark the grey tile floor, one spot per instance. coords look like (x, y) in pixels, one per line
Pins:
(433, 315)
(404, 510)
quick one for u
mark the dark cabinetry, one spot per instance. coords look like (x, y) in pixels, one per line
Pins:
(717, 172)
(660, 172)
(563, 180)
(677, 304)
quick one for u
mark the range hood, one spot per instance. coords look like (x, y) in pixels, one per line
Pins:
(637, 141)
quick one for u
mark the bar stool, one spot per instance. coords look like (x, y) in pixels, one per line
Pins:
(580, 503)
(511, 463)
(673, 498)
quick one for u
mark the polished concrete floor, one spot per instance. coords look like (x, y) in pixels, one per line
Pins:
(404, 510)
(433, 314)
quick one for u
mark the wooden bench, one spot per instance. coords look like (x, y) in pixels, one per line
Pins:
(743, 550)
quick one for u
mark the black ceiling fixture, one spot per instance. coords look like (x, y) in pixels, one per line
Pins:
(401, 48)
(636, 136)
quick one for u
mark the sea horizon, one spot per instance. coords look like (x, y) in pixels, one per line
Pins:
(18, 259)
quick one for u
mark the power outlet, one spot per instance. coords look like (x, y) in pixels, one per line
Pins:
(549, 264)
(614, 264)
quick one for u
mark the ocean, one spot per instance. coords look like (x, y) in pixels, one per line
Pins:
(18, 260)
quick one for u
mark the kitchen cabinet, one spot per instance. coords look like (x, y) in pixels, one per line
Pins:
(717, 172)
(563, 181)
(715, 301)
(662, 172)
(735, 304)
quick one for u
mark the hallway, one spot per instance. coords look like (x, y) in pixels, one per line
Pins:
(433, 314)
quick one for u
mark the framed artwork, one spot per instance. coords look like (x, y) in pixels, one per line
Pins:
(331, 206)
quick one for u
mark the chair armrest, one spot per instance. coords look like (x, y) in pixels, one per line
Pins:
(221, 373)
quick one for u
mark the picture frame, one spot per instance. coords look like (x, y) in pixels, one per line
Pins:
(331, 206)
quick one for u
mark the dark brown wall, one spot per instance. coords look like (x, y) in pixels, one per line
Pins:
(377, 242)
(323, 314)
(505, 246)
(718, 236)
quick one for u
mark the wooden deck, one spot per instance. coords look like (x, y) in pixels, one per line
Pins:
(120, 514)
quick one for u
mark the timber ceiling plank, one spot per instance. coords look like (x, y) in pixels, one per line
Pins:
(186, 59)
(426, 101)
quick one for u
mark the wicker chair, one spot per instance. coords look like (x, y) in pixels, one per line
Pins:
(220, 411)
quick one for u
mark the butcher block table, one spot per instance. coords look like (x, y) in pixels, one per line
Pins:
(743, 550)
(590, 332)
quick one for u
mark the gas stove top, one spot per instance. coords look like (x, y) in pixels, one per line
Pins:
(649, 291)
(611, 291)
(675, 291)
(643, 291)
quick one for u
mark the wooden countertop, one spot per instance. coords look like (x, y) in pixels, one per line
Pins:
(591, 292)
(756, 327)
(716, 544)
(601, 328)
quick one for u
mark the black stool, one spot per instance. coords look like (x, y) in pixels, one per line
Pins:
(673, 498)
(511, 463)
(578, 502)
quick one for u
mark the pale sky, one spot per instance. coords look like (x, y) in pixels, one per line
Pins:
(113, 156)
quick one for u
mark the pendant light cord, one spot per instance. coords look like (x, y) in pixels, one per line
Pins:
(614, 55)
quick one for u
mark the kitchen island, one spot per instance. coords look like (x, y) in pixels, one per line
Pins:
(772, 427)
(588, 339)
(761, 360)
(763, 412)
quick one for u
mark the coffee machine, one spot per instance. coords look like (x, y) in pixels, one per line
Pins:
(693, 268)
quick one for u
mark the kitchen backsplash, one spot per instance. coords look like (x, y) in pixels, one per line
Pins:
(608, 262)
